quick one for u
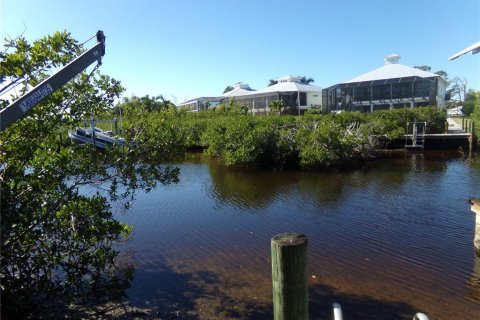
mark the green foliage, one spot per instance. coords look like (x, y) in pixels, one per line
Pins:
(228, 89)
(276, 107)
(305, 80)
(242, 141)
(472, 102)
(274, 140)
(392, 123)
(331, 141)
(230, 107)
(424, 68)
(311, 141)
(146, 103)
(55, 236)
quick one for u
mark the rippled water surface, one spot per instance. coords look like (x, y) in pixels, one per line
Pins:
(385, 241)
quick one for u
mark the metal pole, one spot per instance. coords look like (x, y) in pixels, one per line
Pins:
(414, 136)
(92, 125)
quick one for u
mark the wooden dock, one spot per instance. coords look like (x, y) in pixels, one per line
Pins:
(457, 136)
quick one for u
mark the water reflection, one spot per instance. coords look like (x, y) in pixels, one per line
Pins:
(249, 188)
(390, 239)
(252, 188)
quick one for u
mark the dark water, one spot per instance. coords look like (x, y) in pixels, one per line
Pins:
(385, 241)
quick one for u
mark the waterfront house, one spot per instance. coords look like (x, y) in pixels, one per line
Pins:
(296, 96)
(391, 86)
(200, 104)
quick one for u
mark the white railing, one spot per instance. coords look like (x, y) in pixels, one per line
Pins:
(338, 315)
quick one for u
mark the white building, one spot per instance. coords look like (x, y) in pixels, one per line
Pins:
(296, 96)
(200, 104)
(393, 85)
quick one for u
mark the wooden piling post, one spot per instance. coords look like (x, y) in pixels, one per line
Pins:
(476, 209)
(289, 276)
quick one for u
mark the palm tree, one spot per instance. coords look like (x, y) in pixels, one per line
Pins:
(304, 80)
(272, 82)
(228, 89)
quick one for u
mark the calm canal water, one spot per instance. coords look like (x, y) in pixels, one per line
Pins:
(385, 241)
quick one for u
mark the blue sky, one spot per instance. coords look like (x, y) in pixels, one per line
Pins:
(189, 48)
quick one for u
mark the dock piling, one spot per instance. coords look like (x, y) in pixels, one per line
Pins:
(289, 276)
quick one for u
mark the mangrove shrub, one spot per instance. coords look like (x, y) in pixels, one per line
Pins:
(55, 238)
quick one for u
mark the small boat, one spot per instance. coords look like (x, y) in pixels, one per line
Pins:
(96, 137)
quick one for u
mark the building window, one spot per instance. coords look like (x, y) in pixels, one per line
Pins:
(421, 88)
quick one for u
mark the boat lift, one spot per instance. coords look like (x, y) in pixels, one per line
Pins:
(19, 108)
(415, 140)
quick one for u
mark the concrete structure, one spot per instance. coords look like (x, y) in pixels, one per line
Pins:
(391, 86)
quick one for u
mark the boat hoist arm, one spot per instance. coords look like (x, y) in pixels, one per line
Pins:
(20, 107)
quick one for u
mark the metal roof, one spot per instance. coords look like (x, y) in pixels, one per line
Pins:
(201, 99)
(392, 71)
(289, 87)
(239, 89)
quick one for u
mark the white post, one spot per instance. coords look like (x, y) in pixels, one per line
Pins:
(414, 133)
(298, 101)
(476, 209)
(337, 312)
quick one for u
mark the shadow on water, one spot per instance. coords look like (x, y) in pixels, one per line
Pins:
(166, 294)
(201, 295)
(191, 295)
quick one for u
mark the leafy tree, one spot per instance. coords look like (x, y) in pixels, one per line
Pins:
(147, 103)
(424, 68)
(56, 238)
(472, 102)
(443, 74)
